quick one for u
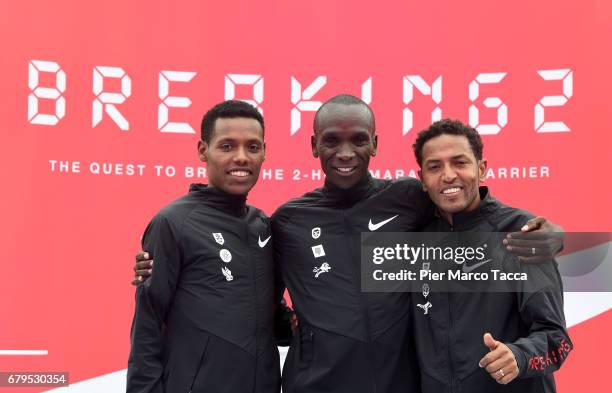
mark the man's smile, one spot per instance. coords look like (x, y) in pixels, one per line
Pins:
(451, 191)
(240, 173)
(345, 170)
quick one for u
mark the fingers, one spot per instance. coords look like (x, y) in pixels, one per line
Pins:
(508, 377)
(527, 242)
(144, 273)
(490, 341)
(143, 265)
(533, 235)
(505, 363)
(533, 224)
(489, 358)
(547, 246)
(142, 268)
(141, 276)
(531, 251)
(500, 363)
(142, 256)
(504, 369)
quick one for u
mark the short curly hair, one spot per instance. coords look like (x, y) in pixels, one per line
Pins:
(448, 127)
(229, 109)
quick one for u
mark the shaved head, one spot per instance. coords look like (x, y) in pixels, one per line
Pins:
(341, 99)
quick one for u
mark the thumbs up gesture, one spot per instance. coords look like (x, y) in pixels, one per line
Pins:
(500, 362)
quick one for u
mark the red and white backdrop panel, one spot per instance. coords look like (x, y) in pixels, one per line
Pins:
(101, 102)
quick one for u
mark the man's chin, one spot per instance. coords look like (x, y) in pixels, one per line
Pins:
(238, 189)
(451, 208)
(343, 182)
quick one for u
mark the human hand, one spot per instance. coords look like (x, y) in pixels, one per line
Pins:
(500, 363)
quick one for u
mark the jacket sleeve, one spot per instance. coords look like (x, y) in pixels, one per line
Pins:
(547, 345)
(153, 300)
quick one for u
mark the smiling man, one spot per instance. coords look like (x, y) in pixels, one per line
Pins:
(204, 320)
(460, 333)
(347, 340)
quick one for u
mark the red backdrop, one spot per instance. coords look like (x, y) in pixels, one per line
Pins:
(69, 235)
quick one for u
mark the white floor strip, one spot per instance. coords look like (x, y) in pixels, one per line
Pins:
(115, 382)
(23, 352)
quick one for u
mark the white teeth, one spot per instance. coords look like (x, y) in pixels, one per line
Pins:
(346, 170)
(240, 173)
(451, 190)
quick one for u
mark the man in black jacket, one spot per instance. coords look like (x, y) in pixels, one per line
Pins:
(204, 321)
(519, 338)
(347, 340)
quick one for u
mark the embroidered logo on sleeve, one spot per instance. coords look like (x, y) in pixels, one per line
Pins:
(552, 358)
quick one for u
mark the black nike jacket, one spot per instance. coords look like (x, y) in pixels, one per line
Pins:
(347, 341)
(203, 322)
(449, 337)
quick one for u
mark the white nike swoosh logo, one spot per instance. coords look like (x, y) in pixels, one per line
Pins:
(373, 227)
(467, 269)
(263, 244)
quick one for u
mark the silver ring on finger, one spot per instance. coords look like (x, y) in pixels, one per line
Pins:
(501, 372)
(533, 250)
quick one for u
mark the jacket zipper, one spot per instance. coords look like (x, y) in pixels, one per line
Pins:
(362, 303)
(448, 335)
(254, 287)
(448, 345)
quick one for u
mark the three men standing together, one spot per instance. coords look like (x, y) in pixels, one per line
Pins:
(204, 320)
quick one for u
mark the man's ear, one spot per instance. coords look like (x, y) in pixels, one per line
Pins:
(313, 145)
(420, 173)
(482, 170)
(202, 147)
(375, 144)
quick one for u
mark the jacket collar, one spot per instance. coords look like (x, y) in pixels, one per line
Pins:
(218, 199)
(465, 219)
(349, 196)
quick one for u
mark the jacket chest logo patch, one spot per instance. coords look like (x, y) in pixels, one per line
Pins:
(262, 244)
(318, 251)
(425, 290)
(225, 255)
(316, 232)
(227, 273)
(373, 227)
(324, 268)
(425, 307)
(219, 238)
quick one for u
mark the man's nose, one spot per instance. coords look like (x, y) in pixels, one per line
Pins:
(345, 152)
(241, 156)
(449, 175)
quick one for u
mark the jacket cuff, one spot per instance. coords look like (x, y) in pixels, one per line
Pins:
(519, 355)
